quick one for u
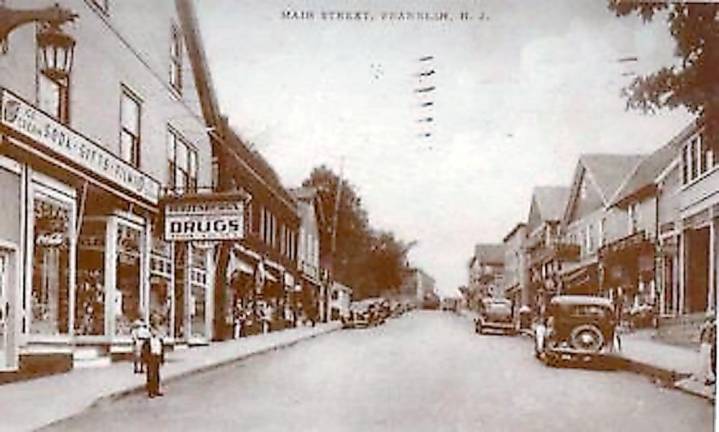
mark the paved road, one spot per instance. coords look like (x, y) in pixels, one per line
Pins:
(426, 371)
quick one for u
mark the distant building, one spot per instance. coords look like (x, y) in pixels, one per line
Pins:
(340, 299)
(515, 266)
(308, 253)
(418, 285)
(544, 249)
(486, 273)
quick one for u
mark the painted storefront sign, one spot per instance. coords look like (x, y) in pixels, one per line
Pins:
(212, 220)
(26, 120)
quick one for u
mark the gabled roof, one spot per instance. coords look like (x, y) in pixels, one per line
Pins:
(489, 253)
(609, 171)
(551, 201)
(653, 166)
(309, 194)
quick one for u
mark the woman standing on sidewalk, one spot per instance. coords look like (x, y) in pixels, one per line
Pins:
(707, 351)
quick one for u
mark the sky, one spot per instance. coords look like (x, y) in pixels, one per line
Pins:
(522, 88)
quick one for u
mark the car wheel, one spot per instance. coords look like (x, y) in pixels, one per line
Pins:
(586, 337)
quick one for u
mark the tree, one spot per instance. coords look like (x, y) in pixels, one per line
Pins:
(371, 262)
(694, 83)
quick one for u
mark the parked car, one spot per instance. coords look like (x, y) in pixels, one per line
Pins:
(576, 328)
(360, 315)
(495, 314)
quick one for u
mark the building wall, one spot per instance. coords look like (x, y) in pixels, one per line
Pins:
(129, 46)
(309, 242)
(514, 259)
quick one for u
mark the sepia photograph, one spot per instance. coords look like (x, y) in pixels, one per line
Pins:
(359, 215)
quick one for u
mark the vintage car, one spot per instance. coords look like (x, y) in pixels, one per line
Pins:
(575, 328)
(363, 313)
(495, 314)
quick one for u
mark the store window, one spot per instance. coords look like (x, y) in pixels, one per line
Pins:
(182, 163)
(90, 295)
(160, 285)
(130, 111)
(50, 270)
(127, 295)
(198, 288)
(176, 58)
(53, 97)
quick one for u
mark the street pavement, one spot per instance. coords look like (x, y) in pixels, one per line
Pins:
(426, 371)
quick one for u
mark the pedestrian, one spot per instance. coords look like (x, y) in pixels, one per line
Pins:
(266, 318)
(154, 354)
(140, 335)
(707, 350)
(237, 322)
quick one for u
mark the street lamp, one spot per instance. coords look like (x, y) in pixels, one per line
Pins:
(55, 46)
(56, 51)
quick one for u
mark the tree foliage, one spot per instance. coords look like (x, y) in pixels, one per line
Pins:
(370, 261)
(694, 83)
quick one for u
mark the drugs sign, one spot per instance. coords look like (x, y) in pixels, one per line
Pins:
(210, 220)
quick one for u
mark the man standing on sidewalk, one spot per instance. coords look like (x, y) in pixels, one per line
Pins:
(154, 357)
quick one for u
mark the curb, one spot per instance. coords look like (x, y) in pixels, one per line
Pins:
(119, 394)
(666, 377)
(684, 389)
(206, 368)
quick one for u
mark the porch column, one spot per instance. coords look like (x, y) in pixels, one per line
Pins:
(110, 275)
(171, 288)
(145, 251)
(711, 292)
(682, 273)
(210, 293)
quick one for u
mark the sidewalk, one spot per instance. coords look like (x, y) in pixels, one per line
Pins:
(665, 362)
(32, 404)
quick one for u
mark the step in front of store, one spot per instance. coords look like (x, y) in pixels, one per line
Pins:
(38, 360)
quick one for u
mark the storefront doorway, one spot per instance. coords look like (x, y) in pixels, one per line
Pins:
(697, 270)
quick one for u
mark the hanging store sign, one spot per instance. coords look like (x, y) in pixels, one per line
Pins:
(49, 134)
(208, 220)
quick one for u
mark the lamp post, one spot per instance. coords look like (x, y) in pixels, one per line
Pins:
(55, 46)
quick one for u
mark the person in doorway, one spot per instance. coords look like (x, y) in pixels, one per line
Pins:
(707, 351)
(154, 355)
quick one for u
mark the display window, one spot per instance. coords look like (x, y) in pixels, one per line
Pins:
(160, 285)
(51, 253)
(127, 294)
(90, 294)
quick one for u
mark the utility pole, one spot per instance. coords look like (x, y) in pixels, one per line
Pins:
(333, 241)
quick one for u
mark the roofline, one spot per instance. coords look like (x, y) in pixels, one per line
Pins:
(686, 133)
(513, 231)
(218, 129)
(626, 180)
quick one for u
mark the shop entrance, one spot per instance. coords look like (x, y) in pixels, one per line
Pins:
(697, 268)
